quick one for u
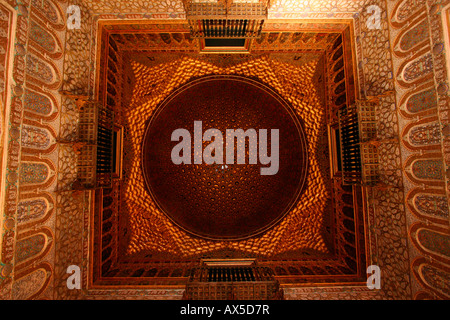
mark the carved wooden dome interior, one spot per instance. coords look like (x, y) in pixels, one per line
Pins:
(225, 200)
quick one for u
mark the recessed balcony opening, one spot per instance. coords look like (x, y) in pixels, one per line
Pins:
(224, 45)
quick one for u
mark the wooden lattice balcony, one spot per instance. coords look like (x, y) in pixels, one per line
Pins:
(226, 19)
(232, 280)
(358, 136)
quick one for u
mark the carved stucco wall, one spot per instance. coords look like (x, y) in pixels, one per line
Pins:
(421, 81)
(31, 103)
(279, 9)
